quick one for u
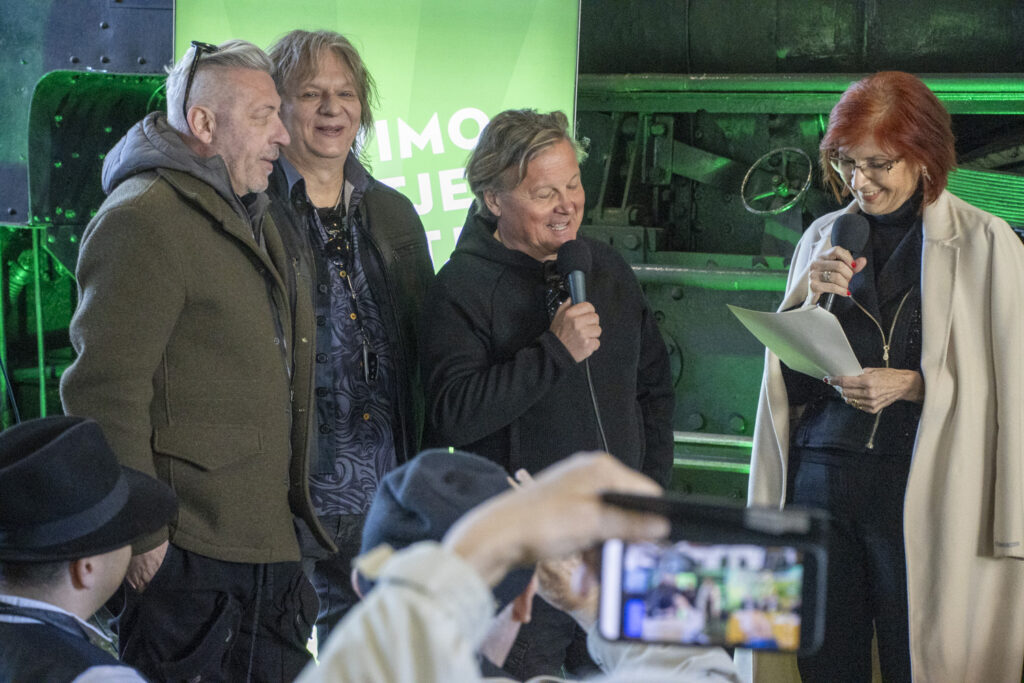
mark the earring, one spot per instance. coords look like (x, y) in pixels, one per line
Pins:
(924, 172)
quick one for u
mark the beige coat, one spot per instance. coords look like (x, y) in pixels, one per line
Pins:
(964, 507)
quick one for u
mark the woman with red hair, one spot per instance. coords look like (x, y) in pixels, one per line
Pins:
(920, 459)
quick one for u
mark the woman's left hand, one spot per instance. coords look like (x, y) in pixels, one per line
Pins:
(879, 387)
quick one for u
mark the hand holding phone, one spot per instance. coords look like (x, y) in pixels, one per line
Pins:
(717, 581)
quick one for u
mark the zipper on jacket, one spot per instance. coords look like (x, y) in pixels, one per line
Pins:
(886, 343)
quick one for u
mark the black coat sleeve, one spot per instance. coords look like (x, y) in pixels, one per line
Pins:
(471, 392)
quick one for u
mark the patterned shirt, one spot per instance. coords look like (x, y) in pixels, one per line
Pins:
(354, 406)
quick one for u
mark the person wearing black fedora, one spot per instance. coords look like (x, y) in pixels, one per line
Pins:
(68, 515)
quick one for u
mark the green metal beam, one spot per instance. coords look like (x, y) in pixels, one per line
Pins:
(732, 279)
(779, 94)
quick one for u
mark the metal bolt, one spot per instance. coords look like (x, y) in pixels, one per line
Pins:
(676, 293)
(141, 60)
(104, 59)
(73, 60)
(11, 211)
(104, 24)
(737, 423)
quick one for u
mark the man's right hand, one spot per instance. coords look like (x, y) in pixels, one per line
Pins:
(143, 567)
(578, 327)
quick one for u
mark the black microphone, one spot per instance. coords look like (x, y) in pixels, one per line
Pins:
(573, 263)
(850, 231)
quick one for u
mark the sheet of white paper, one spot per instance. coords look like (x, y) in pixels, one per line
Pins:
(808, 339)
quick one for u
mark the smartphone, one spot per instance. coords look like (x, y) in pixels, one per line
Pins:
(718, 581)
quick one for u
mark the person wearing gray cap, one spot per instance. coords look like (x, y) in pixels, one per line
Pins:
(68, 516)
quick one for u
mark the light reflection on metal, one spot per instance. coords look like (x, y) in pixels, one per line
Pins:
(779, 93)
(40, 344)
(734, 279)
(702, 439)
(1001, 194)
(714, 463)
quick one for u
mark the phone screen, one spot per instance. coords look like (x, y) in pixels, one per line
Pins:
(682, 592)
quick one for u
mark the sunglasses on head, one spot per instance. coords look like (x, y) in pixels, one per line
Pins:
(198, 48)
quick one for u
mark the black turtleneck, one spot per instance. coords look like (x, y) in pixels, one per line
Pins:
(885, 309)
(888, 230)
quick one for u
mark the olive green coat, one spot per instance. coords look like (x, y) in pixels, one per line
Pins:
(184, 331)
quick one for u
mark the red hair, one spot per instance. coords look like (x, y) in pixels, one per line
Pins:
(903, 117)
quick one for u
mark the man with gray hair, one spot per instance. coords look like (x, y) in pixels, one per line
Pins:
(185, 338)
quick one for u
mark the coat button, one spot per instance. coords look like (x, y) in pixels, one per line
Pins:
(325, 429)
(321, 320)
(322, 288)
(321, 358)
(321, 391)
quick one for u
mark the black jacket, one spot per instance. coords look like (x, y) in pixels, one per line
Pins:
(394, 254)
(885, 307)
(500, 384)
(57, 650)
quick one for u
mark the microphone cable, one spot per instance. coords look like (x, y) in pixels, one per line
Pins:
(572, 263)
(597, 411)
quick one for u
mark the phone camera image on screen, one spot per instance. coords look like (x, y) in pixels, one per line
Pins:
(736, 595)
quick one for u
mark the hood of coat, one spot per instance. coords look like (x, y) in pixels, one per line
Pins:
(477, 239)
(152, 144)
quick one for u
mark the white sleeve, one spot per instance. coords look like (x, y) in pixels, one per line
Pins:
(109, 674)
(422, 622)
(626, 662)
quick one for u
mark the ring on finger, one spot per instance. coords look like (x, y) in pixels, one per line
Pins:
(826, 276)
(855, 403)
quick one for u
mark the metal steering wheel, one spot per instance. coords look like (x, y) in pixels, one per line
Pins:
(776, 181)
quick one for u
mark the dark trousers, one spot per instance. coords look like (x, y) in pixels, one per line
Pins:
(550, 641)
(201, 619)
(867, 573)
(332, 576)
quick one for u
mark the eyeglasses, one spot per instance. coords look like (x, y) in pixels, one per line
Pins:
(198, 48)
(872, 168)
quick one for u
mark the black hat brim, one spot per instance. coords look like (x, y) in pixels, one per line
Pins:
(150, 506)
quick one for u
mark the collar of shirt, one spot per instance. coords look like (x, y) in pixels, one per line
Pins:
(357, 180)
(96, 637)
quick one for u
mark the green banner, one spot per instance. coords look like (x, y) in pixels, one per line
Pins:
(442, 67)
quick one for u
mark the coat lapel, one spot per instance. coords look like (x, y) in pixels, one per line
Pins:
(940, 252)
(231, 223)
(903, 269)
